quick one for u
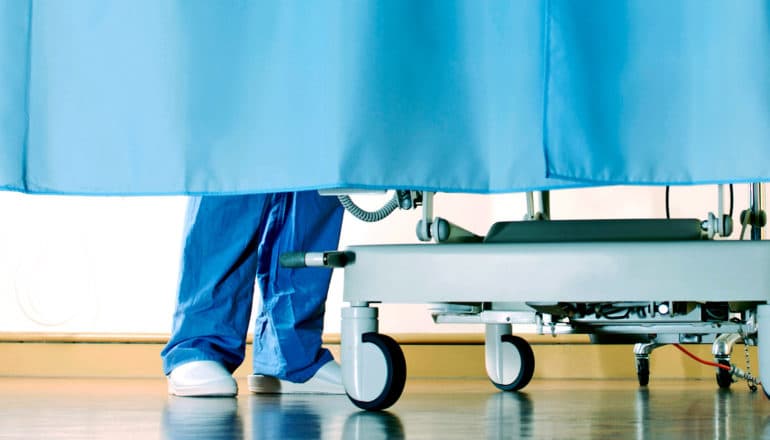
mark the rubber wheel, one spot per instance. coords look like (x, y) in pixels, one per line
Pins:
(396, 372)
(724, 378)
(643, 371)
(527, 370)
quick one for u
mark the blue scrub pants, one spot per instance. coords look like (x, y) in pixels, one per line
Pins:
(229, 242)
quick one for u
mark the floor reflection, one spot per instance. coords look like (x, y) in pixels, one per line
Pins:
(675, 412)
(276, 417)
(309, 416)
(430, 410)
(509, 416)
(199, 418)
(671, 413)
(373, 425)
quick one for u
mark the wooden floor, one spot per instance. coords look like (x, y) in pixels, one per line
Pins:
(32, 408)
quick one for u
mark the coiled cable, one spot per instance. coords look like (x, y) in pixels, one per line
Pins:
(369, 216)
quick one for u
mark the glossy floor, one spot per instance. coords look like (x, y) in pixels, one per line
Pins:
(447, 409)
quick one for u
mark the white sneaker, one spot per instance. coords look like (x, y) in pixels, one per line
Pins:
(201, 378)
(327, 380)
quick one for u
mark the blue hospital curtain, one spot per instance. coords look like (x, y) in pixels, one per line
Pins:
(658, 91)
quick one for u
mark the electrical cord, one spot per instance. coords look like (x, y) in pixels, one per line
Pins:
(732, 199)
(732, 202)
(702, 361)
(734, 371)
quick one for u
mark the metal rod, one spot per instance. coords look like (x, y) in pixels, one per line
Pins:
(545, 197)
(530, 205)
(427, 206)
(756, 205)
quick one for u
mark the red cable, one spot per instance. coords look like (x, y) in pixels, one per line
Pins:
(713, 364)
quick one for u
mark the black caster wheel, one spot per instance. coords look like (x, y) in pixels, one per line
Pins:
(395, 372)
(524, 363)
(724, 378)
(643, 371)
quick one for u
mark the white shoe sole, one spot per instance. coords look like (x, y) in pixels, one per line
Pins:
(270, 385)
(220, 388)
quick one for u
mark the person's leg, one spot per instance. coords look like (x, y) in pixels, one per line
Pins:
(219, 264)
(287, 341)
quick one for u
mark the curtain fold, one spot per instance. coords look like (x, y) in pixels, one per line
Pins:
(15, 19)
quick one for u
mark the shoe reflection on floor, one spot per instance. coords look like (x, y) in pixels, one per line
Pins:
(312, 416)
(202, 417)
(275, 417)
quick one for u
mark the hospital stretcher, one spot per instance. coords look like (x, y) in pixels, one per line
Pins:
(652, 282)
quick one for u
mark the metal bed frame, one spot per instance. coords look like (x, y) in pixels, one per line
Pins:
(650, 282)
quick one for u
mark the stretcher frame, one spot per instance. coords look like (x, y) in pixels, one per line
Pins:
(506, 284)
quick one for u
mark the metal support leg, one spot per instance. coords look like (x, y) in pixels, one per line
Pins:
(645, 348)
(359, 381)
(723, 346)
(541, 212)
(763, 343)
(545, 204)
(756, 205)
(501, 364)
